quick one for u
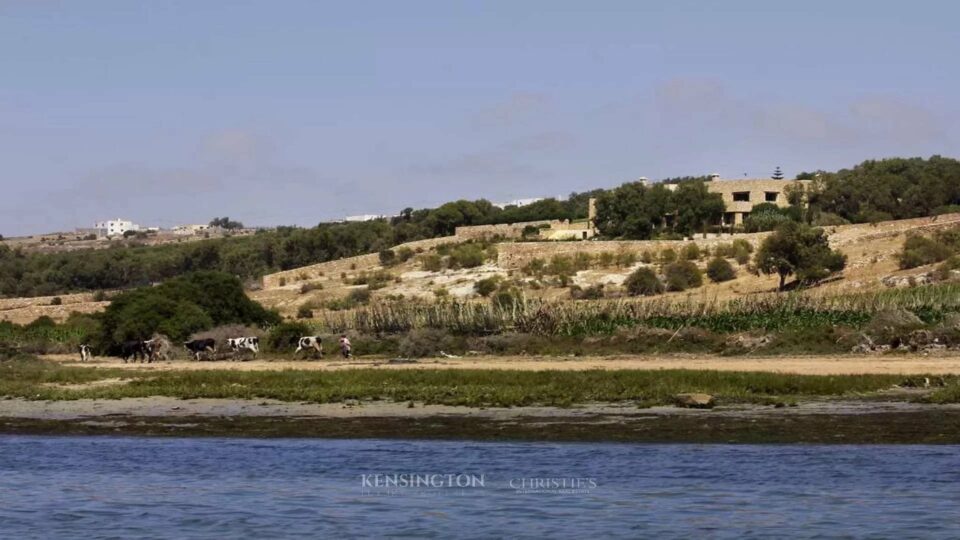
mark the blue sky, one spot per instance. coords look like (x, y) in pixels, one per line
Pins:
(290, 112)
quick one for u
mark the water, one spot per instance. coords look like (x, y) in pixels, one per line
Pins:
(75, 487)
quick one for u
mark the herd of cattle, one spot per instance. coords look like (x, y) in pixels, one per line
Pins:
(150, 350)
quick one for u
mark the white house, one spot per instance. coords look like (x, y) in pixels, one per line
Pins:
(364, 217)
(518, 202)
(116, 227)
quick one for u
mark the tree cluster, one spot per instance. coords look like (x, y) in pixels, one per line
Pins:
(178, 308)
(897, 188)
(637, 211)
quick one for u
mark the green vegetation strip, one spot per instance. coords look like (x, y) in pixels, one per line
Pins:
(32, 379)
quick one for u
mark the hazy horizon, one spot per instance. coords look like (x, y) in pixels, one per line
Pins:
(299, 112)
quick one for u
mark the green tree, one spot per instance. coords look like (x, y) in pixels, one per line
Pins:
(633, 210)
(696, 207)
(797, 249)
(777, 173)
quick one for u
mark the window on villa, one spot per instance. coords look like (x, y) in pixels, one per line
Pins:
(741, 196)
(770, 196)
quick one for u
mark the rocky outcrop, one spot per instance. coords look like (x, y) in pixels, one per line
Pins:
(695, 401)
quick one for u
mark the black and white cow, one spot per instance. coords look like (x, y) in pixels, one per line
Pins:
(200, 346)
(151, 350)
(240, 344)
(140, 350)
(310, 342)
(85, 353)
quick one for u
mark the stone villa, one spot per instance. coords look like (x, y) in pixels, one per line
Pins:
(741, 195)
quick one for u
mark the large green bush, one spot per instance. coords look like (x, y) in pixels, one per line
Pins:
(919, 250)
(719, 270)
(682, 275)
(643, 282)
(284, 336)
(180, 307)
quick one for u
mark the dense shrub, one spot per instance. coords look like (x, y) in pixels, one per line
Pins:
(719, 270)
(739, 249)
(284, 336)
(507, 297)
(429, 342)
(691, 252)
(946, 269)
(626, 259)
(920, 250)
(682, 275)
(535, 267)
(179, 307)
(387, 257)
(373, 280)
(467, 256)
(593, 292)
(764, 219)
(668, 256)
(307, 287)
(486, 286)
(431, 262)
(643, 281)
(404, 254)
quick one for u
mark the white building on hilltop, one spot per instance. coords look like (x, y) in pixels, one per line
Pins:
(364, 217)
(518, 203)
(115, 227)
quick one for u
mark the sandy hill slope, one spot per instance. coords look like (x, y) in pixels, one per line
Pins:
(871, 250)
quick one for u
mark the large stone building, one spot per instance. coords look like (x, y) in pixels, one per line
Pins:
(741, 195)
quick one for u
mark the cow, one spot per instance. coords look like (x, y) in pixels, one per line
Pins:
(310, 342)
(140, 350)
(240, 344)
(85, 353)
(151, 350)
(133, 350)
(200, 346)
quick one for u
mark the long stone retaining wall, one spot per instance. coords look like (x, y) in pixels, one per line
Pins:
(348, 264)
(505, 230)
(515, 255)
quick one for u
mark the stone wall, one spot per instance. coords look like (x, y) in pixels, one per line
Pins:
(513, 256)
(506, 230)
(348, 264)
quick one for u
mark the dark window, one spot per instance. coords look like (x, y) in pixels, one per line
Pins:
(741, 196)
(770, 196)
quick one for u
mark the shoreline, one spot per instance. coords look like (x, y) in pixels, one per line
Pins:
(943, 363)
(812, 421)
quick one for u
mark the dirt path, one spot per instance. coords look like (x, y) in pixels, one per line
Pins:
(940, 364)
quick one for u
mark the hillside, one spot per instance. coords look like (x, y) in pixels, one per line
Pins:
(871, 252)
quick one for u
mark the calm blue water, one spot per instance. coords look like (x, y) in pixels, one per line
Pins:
(74, 487)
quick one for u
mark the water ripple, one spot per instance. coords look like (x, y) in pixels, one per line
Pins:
(68, 487)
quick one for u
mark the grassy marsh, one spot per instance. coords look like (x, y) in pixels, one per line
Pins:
(39, 380)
